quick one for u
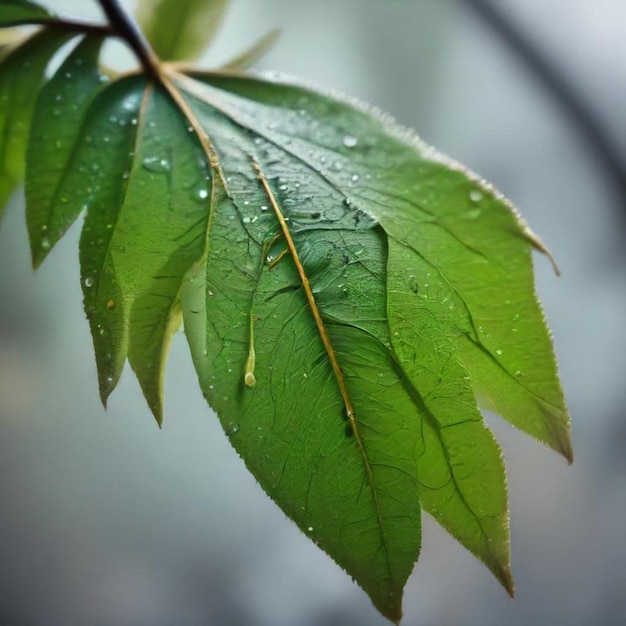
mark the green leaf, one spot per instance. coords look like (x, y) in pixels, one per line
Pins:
(140, 174)
(475, 247)
(179, 30)
(348, 295)
(13, 12)
(21, 76)
(349, 485)
(56, 129)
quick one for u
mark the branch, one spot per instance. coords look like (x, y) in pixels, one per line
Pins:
(126, 28)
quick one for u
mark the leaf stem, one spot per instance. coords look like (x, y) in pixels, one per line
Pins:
(126, 28)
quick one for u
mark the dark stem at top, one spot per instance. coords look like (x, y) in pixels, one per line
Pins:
(126, 28)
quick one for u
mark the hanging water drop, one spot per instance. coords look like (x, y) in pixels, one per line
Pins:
(88, 281)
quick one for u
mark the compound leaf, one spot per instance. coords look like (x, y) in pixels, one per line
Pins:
(349, 295)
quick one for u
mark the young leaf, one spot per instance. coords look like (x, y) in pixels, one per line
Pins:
(179, 30)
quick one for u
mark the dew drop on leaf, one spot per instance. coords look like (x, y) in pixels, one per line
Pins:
(350, 141)
(232, 429)
(156, 164)
(475, 195)
(88, 281)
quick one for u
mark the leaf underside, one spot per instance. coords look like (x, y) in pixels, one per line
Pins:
(347, 292)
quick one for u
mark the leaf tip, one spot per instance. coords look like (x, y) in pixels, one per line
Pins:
(390, 605)
(39, 250)
(536, 243)
(561, 441)
(567, 450)
(157, 412)
(107, 383)
(505, 577)
(155, 403)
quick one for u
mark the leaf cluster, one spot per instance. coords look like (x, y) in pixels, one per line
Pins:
(348, 293)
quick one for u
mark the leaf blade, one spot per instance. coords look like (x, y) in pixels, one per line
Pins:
(14, 12)
(468, 218)
(57, 119)
(21, 76)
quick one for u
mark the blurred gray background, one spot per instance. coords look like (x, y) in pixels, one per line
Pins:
(105, 520)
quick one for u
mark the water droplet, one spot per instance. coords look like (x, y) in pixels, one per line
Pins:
(156, 164)
(88, 281)
(475, 195)
(499, 352)
(518, 374)
(45, 243)
(202, 194)
(355, 178)
(209, 293)
(232, 428)
(310, 529)
(109, 379)
(263, 208)
(516, 317)
(349, 141)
